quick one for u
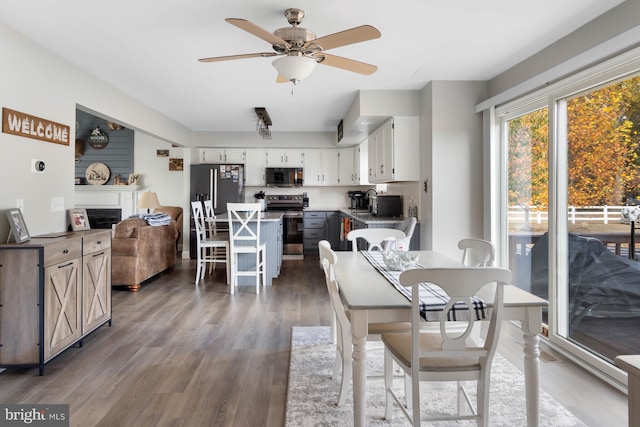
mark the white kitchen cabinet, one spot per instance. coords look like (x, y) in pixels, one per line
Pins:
(394, 151)
(330, 167)
(321, 167)
(352, 165)
(313, 167)
(222, 155)
(281, 157)
(254, 164)
(345, 166)
(360, 163)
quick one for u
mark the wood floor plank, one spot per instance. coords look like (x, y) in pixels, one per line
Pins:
(181, 355)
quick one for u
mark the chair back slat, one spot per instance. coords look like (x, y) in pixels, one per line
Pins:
(477, 252)
(198, 219)
(241, 215)
(375, 237)
(460, 284)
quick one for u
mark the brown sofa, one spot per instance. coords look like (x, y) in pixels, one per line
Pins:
(140, 251)
(175, 212)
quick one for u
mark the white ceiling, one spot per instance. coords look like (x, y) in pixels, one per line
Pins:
(149, 50)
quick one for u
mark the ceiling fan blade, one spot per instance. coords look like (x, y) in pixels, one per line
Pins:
(346, 37)
(231, 57)
(257, 31)
(347, 64)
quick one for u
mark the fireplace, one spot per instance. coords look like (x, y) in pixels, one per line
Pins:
(106, 204)
(104, 218)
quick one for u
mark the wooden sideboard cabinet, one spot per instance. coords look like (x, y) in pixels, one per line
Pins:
(53, 292)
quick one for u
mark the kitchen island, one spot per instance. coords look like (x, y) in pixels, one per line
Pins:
(271, 234)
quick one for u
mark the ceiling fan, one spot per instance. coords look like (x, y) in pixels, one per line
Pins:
(299, 49)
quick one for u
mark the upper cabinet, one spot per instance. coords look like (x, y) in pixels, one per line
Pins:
(222, 155)
(284, 157)
(352, 165)
(394, 151)
(254, 164)
(321, 167)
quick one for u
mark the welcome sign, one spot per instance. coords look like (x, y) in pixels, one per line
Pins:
(23, 124)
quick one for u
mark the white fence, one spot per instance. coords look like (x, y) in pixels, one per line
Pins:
(595, 214)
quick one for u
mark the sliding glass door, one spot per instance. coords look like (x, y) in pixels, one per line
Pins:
(528, 194)
(601, 299)
(571, 182)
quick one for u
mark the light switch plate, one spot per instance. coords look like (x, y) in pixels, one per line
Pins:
(57, 204)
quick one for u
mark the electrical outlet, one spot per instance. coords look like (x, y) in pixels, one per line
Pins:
(57, 204)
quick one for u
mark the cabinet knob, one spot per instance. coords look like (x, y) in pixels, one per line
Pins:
(99, 242)
(66, 251)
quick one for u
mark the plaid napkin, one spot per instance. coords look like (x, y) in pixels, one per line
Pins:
(432, 298)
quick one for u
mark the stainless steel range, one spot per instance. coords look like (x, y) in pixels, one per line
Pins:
(291, 207)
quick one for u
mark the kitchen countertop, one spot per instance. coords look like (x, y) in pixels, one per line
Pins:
(367, 218)
(264, 217)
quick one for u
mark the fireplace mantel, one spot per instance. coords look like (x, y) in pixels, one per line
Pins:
(124, 197)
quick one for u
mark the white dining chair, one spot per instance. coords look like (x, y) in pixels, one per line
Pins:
(447, 356)
(344, 344)
(408, 226)
(214, 233)
(211, 249)
(209, 215)
(477, 252)
(375, 237)
(244, 237)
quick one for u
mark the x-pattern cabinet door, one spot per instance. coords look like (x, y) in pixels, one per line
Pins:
(62, 310)
(96, 290)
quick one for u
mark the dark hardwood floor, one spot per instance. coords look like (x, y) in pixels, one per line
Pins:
(180, 355)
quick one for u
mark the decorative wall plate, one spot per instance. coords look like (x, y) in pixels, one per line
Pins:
(98, 139)
(97, 173)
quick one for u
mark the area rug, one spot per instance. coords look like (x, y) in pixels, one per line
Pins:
(312, 394)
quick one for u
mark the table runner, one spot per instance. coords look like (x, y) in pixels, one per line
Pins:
(432, 298)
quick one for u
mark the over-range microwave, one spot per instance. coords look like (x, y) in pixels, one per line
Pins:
(284, 177)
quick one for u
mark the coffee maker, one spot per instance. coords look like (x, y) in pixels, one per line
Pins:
(358, 200)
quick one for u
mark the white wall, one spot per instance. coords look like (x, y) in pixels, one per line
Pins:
(253, 140)
(451, 143)
(155, 173)
(623, 18)
(37, 82)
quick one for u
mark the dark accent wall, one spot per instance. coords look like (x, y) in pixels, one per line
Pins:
(117, 155)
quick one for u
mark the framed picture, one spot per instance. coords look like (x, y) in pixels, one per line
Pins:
(18, 227)
(176, 164)
(79, 219)
(133, 178)
(162, 153)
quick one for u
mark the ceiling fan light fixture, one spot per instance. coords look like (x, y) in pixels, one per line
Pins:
(295, 67)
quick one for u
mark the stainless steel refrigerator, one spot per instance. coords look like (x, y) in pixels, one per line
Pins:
(221, 183)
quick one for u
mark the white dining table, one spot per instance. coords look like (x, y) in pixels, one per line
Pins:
(370, 297)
